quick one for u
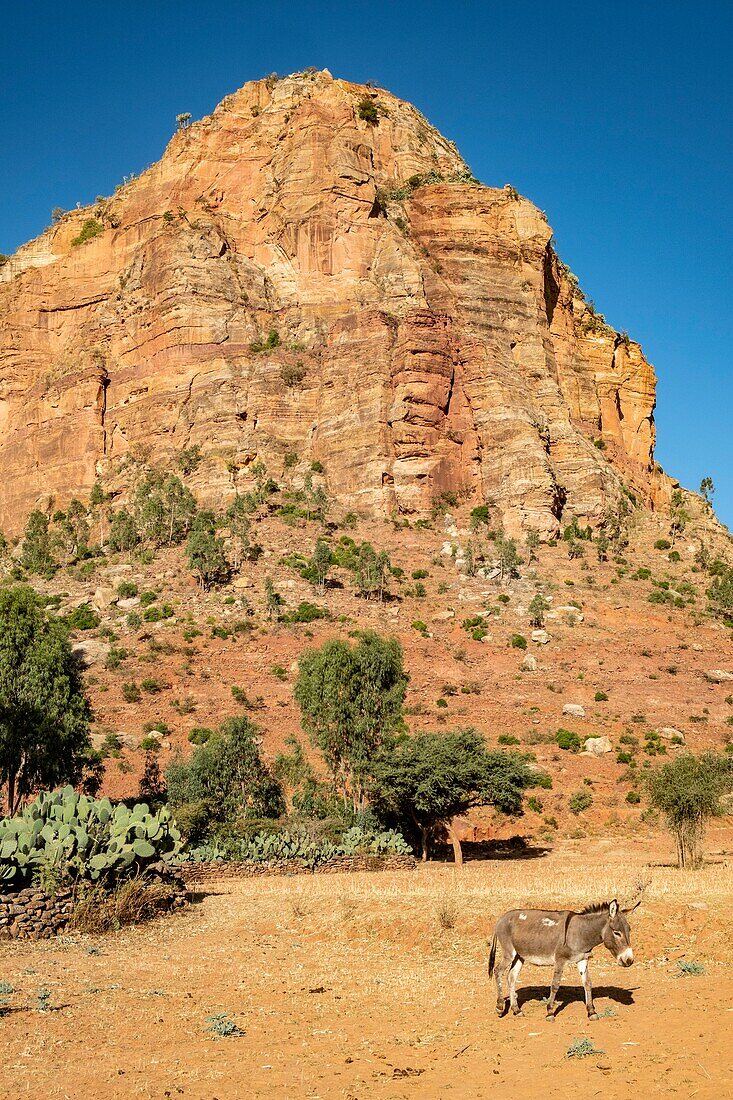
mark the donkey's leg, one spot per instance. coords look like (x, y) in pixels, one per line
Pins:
(556, 978)
(513, 978)
(585, 976)
(501, 972)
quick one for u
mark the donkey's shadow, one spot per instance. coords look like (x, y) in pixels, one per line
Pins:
(568, 995)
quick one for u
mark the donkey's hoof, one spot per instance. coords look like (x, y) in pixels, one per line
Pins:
(550, 1017)
(593, 1016)
(518, 1012)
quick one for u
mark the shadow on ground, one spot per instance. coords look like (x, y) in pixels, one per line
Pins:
(515, 847)
(572, 995)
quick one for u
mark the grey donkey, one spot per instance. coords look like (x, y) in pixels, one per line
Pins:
(556, 938)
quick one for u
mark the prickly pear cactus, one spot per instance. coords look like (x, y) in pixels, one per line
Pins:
(82, 837)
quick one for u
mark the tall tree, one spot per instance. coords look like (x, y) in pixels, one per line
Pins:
(689, 791)
(351, 700)
(227, 774)
(431, 778)
(206, 554)
(44, 713)
(38, 551)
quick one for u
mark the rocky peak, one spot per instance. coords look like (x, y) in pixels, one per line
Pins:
(313, 269)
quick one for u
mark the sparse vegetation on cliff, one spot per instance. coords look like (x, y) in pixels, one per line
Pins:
(90, 228)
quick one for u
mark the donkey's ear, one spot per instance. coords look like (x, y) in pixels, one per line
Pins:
(628, 912)
(613, 908)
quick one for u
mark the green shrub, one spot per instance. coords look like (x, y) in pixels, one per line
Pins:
(519, 641)
(83, 617)
(508, 739)
(131, 692)
(601, 697)
(633, 798)
(293, 374)
(535, 804)
(580, 801)
(537, 607)
(152, 686)
(306, 612)
(368, 111)
(272, 342)
(158, 614)
(568, 740)
(90, 228)
(419, 574)
(662, 544)
(115, 657)
(126, 590)
(479, 516)
(199, 735)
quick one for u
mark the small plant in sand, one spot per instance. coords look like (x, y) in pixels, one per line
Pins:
(686, 968)
(582, 1048)
(222, 1026)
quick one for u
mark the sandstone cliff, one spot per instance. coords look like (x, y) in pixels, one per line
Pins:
(427, 339)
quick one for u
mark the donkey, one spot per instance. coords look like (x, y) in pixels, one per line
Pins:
(556, 938)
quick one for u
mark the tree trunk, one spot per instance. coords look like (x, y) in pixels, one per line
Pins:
(457, 850)
(424, 840)
(11, 795)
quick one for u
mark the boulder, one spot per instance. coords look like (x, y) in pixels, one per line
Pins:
(669, 733)
(129, 603)
(529, 663)
(541, 637)
(718, 676)
(103, 598)
(597, 746)
(442, 616)
(91, 651)
(573, 710)
(570, 611)
(243, 581)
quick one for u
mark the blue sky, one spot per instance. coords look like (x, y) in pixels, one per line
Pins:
(614, 118)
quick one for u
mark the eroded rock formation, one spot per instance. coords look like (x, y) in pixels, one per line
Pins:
(428, 338)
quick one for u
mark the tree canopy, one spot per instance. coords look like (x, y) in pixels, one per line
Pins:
(228, 775)
(689, 791)
(206, 552)
(44, 712)
(432, 777)
(351, 701)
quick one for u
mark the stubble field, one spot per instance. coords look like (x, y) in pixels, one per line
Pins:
(375, 985)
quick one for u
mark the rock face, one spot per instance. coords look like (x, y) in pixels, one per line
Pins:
(426, 338)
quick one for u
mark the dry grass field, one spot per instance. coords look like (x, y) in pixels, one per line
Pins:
(375, 986)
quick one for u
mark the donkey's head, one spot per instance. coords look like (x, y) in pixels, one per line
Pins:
(617, 933)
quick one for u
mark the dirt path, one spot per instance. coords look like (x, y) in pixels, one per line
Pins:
(375, 986)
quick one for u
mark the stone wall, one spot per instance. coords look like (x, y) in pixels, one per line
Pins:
(218, 869)
(32, 914)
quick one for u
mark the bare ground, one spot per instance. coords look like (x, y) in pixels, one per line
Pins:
(375, 985)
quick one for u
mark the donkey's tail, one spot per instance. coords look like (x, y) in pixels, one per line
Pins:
(492, 956)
